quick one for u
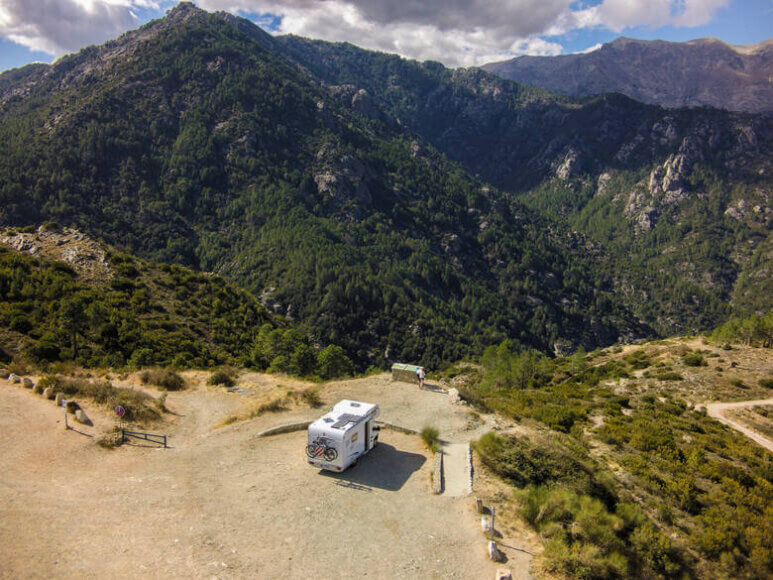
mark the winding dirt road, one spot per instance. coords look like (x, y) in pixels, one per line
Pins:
(717, 411)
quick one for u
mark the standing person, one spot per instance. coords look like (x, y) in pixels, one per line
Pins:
(420, 375)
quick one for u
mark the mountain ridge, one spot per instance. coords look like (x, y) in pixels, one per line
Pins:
(700, 72)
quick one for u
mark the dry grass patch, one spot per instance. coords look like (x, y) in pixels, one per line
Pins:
(275, 405)
(140, 407)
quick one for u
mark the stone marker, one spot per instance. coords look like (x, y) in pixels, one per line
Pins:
(479, 505)
(494, 553)
(58, 399)
(15, 379)
(27, 383)
(503, 574)
(48, 393)
(81, 417)
(485, 524)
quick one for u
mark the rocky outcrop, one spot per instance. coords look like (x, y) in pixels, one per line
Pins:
(341, 181)
(86, 256)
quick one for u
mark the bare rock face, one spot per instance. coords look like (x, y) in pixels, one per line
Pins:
(86, 256)
(341, 180)
(671, 74)
(364, 104)
(568, 168)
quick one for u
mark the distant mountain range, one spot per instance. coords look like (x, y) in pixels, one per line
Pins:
(402, 210)
(703, 72)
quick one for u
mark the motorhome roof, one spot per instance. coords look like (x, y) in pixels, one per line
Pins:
(346, 414)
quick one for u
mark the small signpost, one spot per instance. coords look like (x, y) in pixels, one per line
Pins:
(120, 411)
(64, 406)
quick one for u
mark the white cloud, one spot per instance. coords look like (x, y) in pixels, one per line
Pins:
(465, 32)
(60, 26)
(618, 15)
(590, 49)
(455, 32)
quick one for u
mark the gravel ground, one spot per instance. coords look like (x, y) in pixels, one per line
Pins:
(223, 503)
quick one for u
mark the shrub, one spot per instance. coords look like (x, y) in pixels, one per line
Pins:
(669, 376)
(50, 227)
(221, 377)
(694, 359)
(766, 383)
(638, 359)
(525, 462)
(430, 437)
(273, 406)
(164, 378)
(142, 357)
(21, 323)
(311, 397)
(280, 364)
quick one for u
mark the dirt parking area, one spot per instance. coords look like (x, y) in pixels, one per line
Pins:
(222, 502)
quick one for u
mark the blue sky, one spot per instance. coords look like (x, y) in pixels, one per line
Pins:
(455, 32)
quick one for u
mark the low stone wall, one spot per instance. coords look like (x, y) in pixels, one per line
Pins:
(398, 428)
(437, 473)
(288, 428)
(469, 469)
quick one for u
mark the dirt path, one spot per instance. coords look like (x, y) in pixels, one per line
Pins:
(717, 411)
(223, 503)
(455, 470)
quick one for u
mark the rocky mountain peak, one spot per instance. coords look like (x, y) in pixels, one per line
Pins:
(701, 72)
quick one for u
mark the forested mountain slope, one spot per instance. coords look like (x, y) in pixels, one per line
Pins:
(188, 141)
(680, 199)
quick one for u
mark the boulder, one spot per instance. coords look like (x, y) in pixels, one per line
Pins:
(15, 379)
(479, 506)
(453, 396)
(27, 383)
(503, 574)
(81, 417)
(37, 389)
(48, 393)
(485, 524)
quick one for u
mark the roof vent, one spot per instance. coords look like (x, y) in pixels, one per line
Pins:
(355, 404)
(328, 420)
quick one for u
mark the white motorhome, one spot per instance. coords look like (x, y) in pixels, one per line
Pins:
(343, 435)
